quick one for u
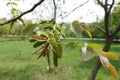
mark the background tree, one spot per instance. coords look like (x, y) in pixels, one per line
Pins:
(109, 35)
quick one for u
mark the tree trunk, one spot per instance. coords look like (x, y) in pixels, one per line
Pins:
(98, 64)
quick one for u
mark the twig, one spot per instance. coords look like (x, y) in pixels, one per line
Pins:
(102, 30)
(111, 6)
(101, 4)
(18, 17)
(55, 8)
(117, 29)
(75, 9)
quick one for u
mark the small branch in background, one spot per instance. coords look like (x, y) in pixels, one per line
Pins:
(115, 32)
(75, 9)
(55, 10)
(111, 6)
(22, 14)
(100, 29)
(101, 4)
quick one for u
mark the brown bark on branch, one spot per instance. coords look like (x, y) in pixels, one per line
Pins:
(22, 14)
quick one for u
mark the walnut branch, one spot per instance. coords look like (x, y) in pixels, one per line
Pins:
(18, 17)
(75, 9)
(100, 29)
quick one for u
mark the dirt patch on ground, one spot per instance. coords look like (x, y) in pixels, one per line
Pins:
(40, 76)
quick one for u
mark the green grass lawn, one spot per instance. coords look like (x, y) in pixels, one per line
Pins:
(18, 63)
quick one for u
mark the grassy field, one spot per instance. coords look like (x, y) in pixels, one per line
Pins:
(18, 63)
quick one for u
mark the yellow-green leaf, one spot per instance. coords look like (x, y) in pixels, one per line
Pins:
(84, 26)
(109, 54)
(28, 29)
(76, 28)
(87, 53)
(104, 60)
(95, 46)
(89, 33)
(112, 69)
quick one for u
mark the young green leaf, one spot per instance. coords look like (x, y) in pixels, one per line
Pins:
(22, 21)
(76, 28)
(55, 59)
(87, 53)
(42, 33)
(29, 28)
(84, 26)
(11, 26)
(11, 3)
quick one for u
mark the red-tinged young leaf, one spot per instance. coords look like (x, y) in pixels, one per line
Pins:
(38, 38)
(53, 45)
(40, 50)
(48, 55)
(43, 51)
(38, 44)
(32, 40)
(40, 55)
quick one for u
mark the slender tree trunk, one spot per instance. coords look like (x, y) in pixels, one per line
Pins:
(98, 63)
(95, 70)
(108, 39)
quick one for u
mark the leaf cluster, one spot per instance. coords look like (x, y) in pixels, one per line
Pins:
(48, 38)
